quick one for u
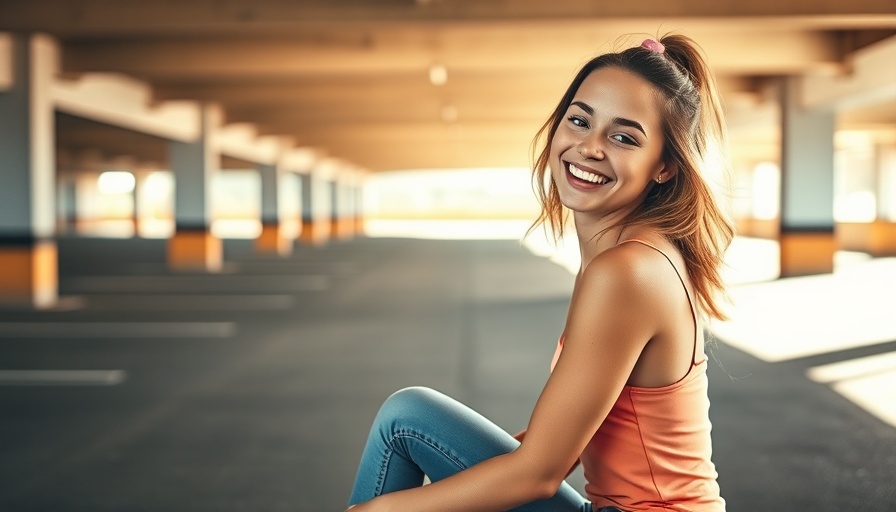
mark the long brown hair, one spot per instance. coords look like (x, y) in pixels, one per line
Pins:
(684, 209)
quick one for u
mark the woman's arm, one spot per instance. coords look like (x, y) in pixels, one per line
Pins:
(609, 324)
(519, 436)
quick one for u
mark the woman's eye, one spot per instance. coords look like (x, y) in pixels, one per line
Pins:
(623, 138)
(578, 121)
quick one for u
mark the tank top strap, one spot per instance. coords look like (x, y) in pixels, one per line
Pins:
(683, 285)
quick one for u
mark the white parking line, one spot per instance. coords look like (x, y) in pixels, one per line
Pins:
(62, 377)
(869, 382)
(117, 329)
(193, 302)
(209, 283)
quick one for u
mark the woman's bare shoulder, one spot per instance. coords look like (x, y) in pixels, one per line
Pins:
(616, 306)
(630, 263)
(629, 274)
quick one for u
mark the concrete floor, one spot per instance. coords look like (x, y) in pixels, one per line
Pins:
(253, 389)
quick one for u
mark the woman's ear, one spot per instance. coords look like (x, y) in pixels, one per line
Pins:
(668, 171)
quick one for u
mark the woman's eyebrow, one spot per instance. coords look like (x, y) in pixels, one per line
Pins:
(584, 106)
(628, 122)
(616, 120)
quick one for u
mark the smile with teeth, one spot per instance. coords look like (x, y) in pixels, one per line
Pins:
(598, 179)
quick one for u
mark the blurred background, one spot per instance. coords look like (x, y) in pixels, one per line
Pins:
(229, 229)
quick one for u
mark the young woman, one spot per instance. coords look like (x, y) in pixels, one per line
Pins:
(627, 394)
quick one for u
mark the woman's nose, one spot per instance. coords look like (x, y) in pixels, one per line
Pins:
(591, 148)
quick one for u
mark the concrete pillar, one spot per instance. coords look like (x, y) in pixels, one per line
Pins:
(877, 237)
(28, 255)
(274, 238)
(67, 201)
(346, 206)
(193, 247)
(883, 235)
(347, 220)
(336, 206)
(807, 186)
(350, 224)
(307, 216)
(358, 191)
(316, 210)
(137, 198)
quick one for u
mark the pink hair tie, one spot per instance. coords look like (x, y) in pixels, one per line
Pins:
(654, 46)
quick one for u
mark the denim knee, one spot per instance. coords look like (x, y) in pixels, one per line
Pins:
(405, 403)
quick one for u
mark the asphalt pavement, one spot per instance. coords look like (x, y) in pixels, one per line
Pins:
(252, 389)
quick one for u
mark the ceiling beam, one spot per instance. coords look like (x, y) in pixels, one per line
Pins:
(122, 101)
(77, 135)
(554, 48)
(379, 87)
(871, 80)
(91, 17)
(401, 132)
(414, 109)
(349, 79)
(505, 96)
(384, 146)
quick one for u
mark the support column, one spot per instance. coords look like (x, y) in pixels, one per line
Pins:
(347, 212)
(137, 199)
(28, 254)
(358, 191)
(193, 247)
(67, 201)
(345, 205)
(306, 231)
(273, 238)
(348, 204)
(336, 206)
(877, 236)
(882, 239)
(807, 186)
(315, 208)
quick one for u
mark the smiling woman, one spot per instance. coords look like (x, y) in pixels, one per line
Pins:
(594, 149)
(627, 394)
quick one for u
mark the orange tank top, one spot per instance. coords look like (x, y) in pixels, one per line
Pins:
(653, 451)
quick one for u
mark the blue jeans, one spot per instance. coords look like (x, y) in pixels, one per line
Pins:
(419, 431)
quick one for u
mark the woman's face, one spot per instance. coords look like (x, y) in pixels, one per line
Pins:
(606, 152)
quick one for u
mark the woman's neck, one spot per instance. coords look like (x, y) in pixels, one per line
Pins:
(596, 235)
(595, 238)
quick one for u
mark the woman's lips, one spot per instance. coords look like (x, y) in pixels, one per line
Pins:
(589, 177)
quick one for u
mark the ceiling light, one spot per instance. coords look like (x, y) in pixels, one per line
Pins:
(438, 75)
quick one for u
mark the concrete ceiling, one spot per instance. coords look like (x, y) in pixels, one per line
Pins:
(351, 78)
